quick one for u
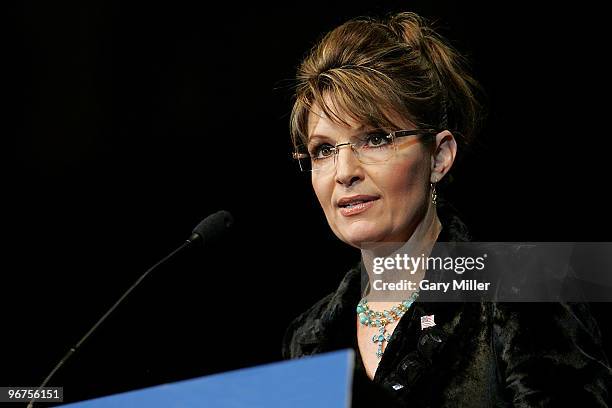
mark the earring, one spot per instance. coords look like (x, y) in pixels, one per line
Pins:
(434, 195)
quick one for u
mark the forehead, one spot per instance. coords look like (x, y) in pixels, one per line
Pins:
(344, 124)
(320, 124)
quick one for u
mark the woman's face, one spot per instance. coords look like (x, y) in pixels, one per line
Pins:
(396, 191)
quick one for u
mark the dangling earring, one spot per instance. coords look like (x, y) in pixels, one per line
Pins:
(434, 195)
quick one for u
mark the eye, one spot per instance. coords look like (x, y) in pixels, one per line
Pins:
(322, 151)
(377, 140)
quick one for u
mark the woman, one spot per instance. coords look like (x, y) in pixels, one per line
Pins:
(381, 107)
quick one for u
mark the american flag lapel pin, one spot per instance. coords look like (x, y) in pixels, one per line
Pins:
(427, 321)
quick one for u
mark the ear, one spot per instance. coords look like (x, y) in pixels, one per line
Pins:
(443, 155)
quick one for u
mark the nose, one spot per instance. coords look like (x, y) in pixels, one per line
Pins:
(348, 167)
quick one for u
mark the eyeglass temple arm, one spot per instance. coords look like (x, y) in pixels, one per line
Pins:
(400, 133)
(297, 155)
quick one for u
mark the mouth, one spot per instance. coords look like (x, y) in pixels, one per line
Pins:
(356, 204)
(349, 202)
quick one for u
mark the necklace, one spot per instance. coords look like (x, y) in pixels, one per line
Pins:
(368, 317)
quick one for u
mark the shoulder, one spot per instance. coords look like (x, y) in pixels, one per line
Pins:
(300, 329)
(309, 331)
(547, 325)
(550, 352)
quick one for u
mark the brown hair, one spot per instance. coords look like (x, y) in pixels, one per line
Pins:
(368, 68)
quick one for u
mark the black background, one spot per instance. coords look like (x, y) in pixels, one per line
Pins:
(129, 122)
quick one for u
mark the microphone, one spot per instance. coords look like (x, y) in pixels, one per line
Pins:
(210, 229)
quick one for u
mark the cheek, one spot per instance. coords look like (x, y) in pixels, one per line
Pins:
(405, 180)
(323, 190)
(405, 176)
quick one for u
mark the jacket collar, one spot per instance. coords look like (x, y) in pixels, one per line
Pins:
(335, 326)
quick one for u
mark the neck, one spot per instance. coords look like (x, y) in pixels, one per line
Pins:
(418, 245)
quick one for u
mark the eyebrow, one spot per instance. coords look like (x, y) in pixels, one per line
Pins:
(358, 131)
(312, 138)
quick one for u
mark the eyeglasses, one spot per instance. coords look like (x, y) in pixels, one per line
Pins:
(374, 147)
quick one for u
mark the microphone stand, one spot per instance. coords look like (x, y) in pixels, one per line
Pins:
(74, 348)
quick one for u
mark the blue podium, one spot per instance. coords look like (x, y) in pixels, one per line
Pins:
(320, 381)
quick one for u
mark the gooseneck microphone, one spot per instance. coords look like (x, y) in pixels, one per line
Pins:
(211, 228)
(208, 230)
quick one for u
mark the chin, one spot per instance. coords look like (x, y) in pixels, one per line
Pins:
(357, 235)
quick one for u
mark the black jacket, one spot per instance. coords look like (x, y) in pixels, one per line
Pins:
(479, 354)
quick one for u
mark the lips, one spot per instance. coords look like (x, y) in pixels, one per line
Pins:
(356, 204)
(354, 200)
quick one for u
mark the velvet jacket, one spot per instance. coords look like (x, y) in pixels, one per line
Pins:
(479, 354)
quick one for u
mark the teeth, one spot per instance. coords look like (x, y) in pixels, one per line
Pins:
(354, 204)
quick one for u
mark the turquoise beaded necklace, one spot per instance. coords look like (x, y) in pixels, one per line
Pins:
(368, 317)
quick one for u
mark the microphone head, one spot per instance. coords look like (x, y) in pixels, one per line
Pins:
(212, 227)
